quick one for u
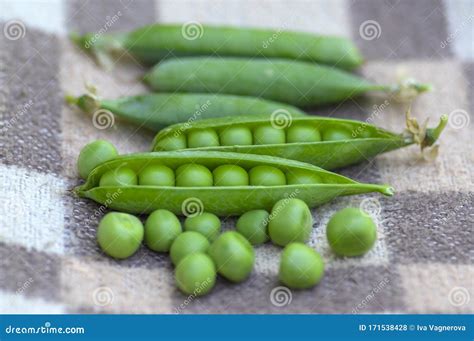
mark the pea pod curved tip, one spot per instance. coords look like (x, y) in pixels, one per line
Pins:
(388, 191)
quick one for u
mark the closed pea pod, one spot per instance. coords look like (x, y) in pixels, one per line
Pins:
(157, 111)
(151, 43)
(336, 142)
(220, 200)
(294, 82)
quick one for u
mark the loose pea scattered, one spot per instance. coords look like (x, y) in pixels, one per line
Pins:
(187, 243)
(290, 221)
(161, 229)
(120, 234)
(93, 154)
(351, 232)
(300, 266)
(233, 256)
(253, 226)
(196, 274)
(208, 224)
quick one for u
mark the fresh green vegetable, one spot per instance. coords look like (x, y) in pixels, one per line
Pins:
(157, 175)
(266, 176)
(230, 175)
(193, 175)
(120, 234)
(206, 223)
(157, 111)
(365, 140)
(196, 274)
(351, 232)
(222, 201)
(233, 256)
(152, 43)
(299, 83)
(253, 226)
(161, 229)
(187, 243)
(300, 266)
(121, 176)
(93, 154)
(290, 221)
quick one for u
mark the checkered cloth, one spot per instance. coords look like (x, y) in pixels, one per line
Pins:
(49, 259)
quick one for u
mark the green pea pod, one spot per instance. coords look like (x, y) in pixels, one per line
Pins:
(156, 111)
(152, 43)
(220, 200)
(294, 82)
(359, 140)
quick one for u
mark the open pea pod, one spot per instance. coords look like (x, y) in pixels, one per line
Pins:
(221, 200)
(325, 142)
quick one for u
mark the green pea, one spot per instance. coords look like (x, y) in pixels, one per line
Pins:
(300, 266)
(175, 142)
(301, 177)
(156, 175)
(290, 221)
(302, 132)
(196, 274)
(120, 234)
(351, 232)
(208, 224)
(193, 175)
(161, 229)
(121, 176)
(93, 154)
(253, 226)
(266, 134)
(336, 134)
(233, 256)
(203, 138)
(266, 176)
(236, 135)
(187, 243)
(230, 175)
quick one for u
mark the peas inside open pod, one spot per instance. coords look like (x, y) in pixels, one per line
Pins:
(258, 182)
